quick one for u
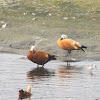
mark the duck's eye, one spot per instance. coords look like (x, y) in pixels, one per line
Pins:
(61, 39)
(33, 51)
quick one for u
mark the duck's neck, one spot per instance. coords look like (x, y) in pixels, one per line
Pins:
(29, 89)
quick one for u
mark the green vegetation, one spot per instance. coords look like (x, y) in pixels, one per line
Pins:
(61, 8)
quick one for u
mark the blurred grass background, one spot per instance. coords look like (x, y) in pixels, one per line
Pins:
(61, 8)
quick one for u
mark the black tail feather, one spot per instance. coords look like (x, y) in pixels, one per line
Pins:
(83, 47)
(52, 57)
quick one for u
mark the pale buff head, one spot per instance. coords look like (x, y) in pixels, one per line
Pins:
(32, 48)
(63, 36)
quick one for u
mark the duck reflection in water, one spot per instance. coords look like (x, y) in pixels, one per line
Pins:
(68, 71)
(39, 72)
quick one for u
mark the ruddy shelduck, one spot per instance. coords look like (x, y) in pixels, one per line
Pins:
(39, 57)
(69, 44)
(25, 94)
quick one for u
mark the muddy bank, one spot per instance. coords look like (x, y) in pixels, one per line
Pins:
(25, 28)
(45, 33)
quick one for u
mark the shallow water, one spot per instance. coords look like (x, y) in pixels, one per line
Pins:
(56, 81)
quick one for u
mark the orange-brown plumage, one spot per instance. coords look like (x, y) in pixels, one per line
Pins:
(24, 94)
(39, 57)
(69, 44)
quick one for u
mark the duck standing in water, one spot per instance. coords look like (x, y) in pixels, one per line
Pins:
(69, 44)
(25, 94)
(39, 57)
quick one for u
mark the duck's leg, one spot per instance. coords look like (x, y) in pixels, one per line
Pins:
(37, 65)
(69, 51)
(68, 63)
(42, 65)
